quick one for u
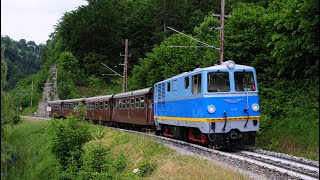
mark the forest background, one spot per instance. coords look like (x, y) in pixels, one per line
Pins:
(280, 38)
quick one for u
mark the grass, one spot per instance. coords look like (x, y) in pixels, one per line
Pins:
(298, 136)
(35, 160)
(33, 157)
(170, 164)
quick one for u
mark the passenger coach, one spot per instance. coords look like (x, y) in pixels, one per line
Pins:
(134, 108)
(99, 108)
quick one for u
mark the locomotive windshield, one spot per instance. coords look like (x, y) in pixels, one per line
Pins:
(244, 81)
(218, 82)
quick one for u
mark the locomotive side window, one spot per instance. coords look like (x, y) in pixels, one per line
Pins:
(196, 84)
(137, 103)
(106, 105)
(168, 87)
(132, 103)
(218, 82)
(141, 102)
(186, 82)
(244, 81)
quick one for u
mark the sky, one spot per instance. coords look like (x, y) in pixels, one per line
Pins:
(33, 20)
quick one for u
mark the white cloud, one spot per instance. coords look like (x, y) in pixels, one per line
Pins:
(33, 19)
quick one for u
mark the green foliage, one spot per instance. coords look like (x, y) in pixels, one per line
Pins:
(68, 137)
(98, 163)
(9, 116)
(146, 167)
(68, 72)
(164, 62)
(81, 111)
(22, 58)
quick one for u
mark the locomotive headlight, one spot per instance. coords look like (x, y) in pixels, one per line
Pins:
(211, 109)
(255, 107)
(231, 64)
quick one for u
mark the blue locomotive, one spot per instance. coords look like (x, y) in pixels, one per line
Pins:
(217, 105)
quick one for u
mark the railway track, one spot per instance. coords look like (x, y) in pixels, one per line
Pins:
(290, 166)
(268, 164)
(265, 163)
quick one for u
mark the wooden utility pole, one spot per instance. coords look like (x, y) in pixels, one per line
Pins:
(31, 95)
(221, 31)
(125, 66)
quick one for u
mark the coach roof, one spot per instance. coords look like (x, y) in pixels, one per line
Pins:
(133, 93)
(55, 102)
(73, 100)
(104, 97)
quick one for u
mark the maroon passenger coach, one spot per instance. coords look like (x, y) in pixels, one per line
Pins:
(134, 107)
(69, 106)
(99, 108)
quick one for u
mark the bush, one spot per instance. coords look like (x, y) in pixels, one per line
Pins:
(68, 136)
(98, 163)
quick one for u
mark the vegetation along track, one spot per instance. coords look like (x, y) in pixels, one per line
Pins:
(256, 161)
(269, 164)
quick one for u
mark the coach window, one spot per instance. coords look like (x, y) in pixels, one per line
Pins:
(96, 105)
(186, 82)
(128, 103)
(168, 87)
(141, 102)
(137, 103)
(117, 104)
(132, 103)
(196, 84)
(120, 104)
(101, 105)
(106, 104)
(218, 82)
(123, 104)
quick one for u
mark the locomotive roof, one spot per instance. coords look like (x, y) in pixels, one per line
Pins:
(222, 66)
(103, 97)
(133, 93)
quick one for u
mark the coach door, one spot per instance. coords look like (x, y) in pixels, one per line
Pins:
(150, 120)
